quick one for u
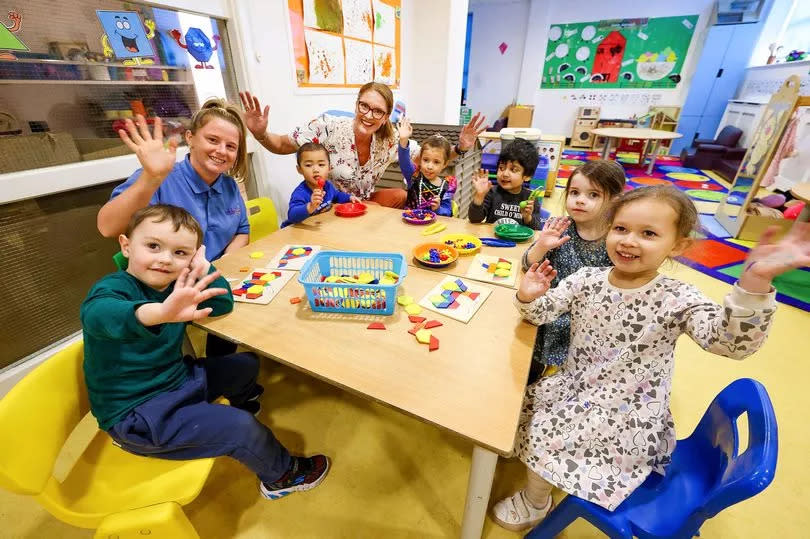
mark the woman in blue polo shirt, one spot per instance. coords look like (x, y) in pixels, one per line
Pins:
(203, 183)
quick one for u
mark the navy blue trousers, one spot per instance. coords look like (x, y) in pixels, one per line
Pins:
(184, 424)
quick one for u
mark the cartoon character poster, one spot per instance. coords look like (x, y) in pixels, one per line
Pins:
(620, 53)
(126, 34)
(8, 40)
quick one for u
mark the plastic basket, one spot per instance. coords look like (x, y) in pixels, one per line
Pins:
(352, 298)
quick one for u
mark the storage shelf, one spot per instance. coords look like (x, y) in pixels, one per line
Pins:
(105, 64)
(99, 82)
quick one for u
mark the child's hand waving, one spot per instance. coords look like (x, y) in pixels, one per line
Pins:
(156, 160)
(181, 305)
(769, 258)
(536, 282)
(551, 236)
(405, 131)
(481, 183)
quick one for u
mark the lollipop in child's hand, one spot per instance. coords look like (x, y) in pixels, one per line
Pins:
(321, 183)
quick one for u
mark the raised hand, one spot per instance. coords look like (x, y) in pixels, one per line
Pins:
(256, 120)
(771, 258)
(481, 183)
(405, 131)
(470, 132)
(181, 305)
(157, 161)
(536, 281)
(551, 236)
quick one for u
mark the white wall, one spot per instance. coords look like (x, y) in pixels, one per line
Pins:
(775, 24)
(432, 64)
(555, 110)
(493, 78)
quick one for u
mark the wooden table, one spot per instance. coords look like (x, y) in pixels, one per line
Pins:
(656, 135)
(472, 386)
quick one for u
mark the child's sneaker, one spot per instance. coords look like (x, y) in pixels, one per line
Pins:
(256, 392)
(304, 473)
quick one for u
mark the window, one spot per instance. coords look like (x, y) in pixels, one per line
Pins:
(797, 33)
(70, 77)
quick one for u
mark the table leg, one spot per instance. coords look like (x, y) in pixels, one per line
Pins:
(653, 153)
(606, 149)
(482, 472)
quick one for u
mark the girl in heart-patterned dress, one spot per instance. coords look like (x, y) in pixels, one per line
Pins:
(598, 428)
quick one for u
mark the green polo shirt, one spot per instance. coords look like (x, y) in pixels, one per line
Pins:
(125, 362)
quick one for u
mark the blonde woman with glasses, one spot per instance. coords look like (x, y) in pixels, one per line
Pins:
(360, 148)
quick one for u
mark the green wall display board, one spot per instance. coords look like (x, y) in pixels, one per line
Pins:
(619, 53)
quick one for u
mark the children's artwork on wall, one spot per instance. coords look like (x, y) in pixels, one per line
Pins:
(359, 61)
(384, 23)
(260, 285)
(325, 58)
(323, 15)
(494, 269)
(8, 41)
(457, 298)
(357, 19)
(126, 34)
(345, 43)
(621, 53)
(198, 46)
(293, 257)
(384, 64)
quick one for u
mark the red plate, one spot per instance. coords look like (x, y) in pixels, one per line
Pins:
(350, 209)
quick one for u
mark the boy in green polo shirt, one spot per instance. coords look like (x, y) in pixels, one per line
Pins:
(143, 392)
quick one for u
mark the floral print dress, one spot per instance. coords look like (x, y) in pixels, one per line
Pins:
(337, 135)
(602, 424)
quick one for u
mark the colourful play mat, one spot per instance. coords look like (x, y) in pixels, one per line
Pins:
(716, 255)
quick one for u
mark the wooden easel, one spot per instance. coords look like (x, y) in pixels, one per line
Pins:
(731, 214)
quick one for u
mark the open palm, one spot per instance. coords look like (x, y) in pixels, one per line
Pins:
(770, 258)
(156, 159)
(181, 305)
(481, 182)
(551, 236)
(256, 119)
(536, 281)
(470, 132)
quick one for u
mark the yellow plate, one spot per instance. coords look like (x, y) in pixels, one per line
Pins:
(460, 240)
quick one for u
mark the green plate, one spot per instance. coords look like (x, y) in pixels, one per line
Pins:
(514, 232)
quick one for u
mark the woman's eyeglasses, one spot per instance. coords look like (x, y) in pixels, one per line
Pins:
(365, 108)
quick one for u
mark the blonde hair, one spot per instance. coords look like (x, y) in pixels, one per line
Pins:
(386, 130)
(674, 197)
(219, 108)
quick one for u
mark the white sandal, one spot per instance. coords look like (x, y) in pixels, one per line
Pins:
(517, 513)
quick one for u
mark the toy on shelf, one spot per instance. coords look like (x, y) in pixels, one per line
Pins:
(465, 244)
(435, 255)
(795, 56)
(261, 285)
(418, 216)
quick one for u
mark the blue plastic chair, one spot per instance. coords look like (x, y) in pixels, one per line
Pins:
(706, 475)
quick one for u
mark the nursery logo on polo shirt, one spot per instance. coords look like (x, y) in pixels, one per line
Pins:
(233, 211)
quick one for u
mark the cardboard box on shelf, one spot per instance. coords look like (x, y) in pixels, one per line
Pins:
(519, 115)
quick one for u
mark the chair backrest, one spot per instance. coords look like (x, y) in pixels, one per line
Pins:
(262, 217)
(37, 417)
(121, 262)
(738, 476)
(729, 136)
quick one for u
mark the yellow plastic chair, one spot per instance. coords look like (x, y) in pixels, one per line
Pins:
(117, 493)
(262, 217)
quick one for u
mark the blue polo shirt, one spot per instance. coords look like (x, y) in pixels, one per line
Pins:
(218, 208)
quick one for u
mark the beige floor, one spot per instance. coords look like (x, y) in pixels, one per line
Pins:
(396, 477)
